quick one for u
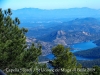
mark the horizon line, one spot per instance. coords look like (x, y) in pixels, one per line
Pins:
(52, 8)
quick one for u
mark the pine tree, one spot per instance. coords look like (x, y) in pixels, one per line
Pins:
(64, 60)
(13, 48)
(96, 71)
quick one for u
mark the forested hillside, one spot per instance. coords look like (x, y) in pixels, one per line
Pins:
(90, 53)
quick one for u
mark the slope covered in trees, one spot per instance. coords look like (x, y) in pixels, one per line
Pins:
(90, 53)
(89, 63)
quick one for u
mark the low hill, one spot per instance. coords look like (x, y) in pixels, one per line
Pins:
(90, 53)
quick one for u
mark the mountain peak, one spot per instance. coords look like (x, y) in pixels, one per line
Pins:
(61, 32)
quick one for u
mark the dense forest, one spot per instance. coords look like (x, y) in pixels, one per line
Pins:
(90, 53)
(89, 63)
(16, 58)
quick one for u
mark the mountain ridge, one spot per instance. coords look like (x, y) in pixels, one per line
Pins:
(40, 14)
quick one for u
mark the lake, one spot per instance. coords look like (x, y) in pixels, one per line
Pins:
(83, 46)
(78, 47)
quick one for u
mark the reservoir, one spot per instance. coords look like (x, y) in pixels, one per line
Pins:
(83, 46)
(78, 47)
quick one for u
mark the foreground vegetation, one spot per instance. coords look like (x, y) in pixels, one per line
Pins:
(16, 58)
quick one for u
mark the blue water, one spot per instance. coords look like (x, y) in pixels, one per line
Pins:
(50, 56)
(83, 46)
(78, 47)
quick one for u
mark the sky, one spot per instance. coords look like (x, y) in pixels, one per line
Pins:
(49, 4)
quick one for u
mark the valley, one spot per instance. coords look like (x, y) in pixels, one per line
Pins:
(74, 30)
(67, 33)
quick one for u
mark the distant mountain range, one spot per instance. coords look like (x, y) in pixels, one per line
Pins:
(43, 14)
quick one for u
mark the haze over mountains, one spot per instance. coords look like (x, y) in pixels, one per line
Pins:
(62, 14)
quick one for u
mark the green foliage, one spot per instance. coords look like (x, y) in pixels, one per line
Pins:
(97, 70)
(64, 59)
(12, 40)
(13, 48)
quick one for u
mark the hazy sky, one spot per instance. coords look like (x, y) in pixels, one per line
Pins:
(49, 4)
